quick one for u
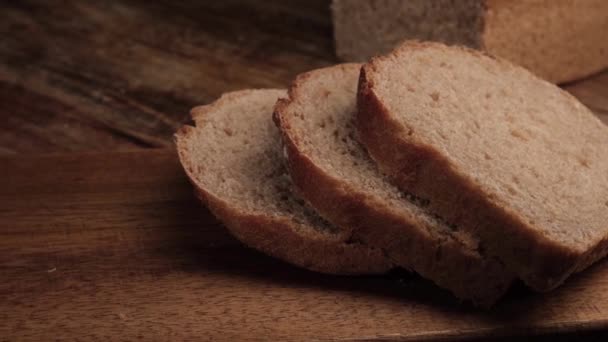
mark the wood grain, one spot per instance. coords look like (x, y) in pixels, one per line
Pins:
(114, 246)
(112, 75)
(128, 72)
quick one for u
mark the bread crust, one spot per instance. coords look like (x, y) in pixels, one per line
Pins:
(275, 235)
(372, 220)
(421, 169)
(558, 40)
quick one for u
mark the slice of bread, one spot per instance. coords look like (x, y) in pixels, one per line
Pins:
(336, 176)
(559, 40)
(491, 146)
(233, 158)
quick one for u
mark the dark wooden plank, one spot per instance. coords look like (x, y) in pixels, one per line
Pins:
(131, 70)
(115, 247)
(99, 75)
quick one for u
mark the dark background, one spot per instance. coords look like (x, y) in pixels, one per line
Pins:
(101, 75)
(115, 75)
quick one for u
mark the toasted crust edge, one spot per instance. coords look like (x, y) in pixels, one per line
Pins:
(279, 238)
(374, 222)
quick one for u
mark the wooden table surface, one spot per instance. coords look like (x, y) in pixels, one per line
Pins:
(122, 75)
(115, 246)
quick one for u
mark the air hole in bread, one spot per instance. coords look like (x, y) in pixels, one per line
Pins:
(434, 96)
(534, 173)
(584, 162)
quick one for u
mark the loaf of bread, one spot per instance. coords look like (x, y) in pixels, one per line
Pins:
(335, 175)
(233, 159)
(558, 40)
(493, 147)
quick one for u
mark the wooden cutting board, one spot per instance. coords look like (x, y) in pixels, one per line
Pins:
(114, 246)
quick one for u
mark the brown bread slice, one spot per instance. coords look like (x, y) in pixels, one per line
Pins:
(233, 158)
(559, 40)
(493, 147)
(335, 175)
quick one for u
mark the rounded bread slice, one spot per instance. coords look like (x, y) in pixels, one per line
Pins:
(495, 148)
(233, 158)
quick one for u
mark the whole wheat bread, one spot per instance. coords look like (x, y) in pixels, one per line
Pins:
(560, 40)
(336, 176)
(491, 146)
(233, 158)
